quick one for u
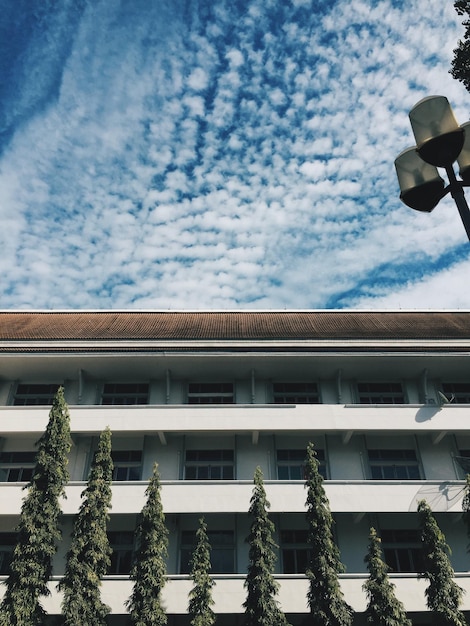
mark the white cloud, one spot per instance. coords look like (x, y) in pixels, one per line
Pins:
(198, 79)
(231, 160)
(235, 57)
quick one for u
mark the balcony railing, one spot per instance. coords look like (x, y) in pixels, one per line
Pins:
(247, 418)
(229, 593)
(347, 496)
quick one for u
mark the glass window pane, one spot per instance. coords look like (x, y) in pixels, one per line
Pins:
(14, 475)
(228, 473)
(413, 472)
(203, 472)
(190, 472)
(296, 473)
(302, 561)
(376, 472)
(401, 472)
(388, 472)
(288, 561)
(120, 473)
(404, 560)
(26, 474)
(390, 559)
(134, 473)
(222, 561)
(185, 557)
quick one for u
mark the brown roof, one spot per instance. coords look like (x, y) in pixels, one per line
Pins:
(269, 325)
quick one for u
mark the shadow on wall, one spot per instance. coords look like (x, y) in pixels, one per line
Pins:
(427, 412)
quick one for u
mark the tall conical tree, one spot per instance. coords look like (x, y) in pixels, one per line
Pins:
(261, 608)
(38, 529)
(325, 598)
(88, 559)
(443, 595)
(383, 608)
(200, 597)
(149, 568)
(460, 66)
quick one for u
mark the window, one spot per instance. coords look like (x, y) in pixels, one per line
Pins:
(209, 465)
(295, 393)
(125, 393)
(122, 544)
(394, 465)
(291, 464)
(16, 466)
(35, 394)
(127, 464)
(222, 550)
(459, 393)
(464, 460)
(210, 393)
(402, 550)
(7, 544)
(294, 550)
(380, 393)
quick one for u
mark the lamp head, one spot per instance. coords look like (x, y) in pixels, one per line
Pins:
(421, 187)
(439, 138)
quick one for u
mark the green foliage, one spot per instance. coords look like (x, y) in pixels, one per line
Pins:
(443, 595)
(460, 66)
(88, 559)
(383, 608)
(149, 569)
(261, 609)
(200, 596)
(39, 528)
(325, 598)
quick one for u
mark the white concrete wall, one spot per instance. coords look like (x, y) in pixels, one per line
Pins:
(229, 593)
(233, 496)
(184, 419)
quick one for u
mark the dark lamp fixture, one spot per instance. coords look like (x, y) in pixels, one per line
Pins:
(420, 184)
(439, 138)
(440, 141)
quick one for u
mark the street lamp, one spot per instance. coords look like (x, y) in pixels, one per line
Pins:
(440, 141)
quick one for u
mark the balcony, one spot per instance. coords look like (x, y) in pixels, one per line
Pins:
(229, 593)
(198, 497)
(250, 419)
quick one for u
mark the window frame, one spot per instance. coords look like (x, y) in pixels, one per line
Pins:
(43, 395)
(22, 465)
(122, 555)
(395, 542)
(288, 394)
(126, 465)
(115, 395)
(377, 393)
(296, 460)
(188, 543)
(294, 541)
(8, 541)
(201, 464)
(452, 392)
(206, 395)
(404, 458)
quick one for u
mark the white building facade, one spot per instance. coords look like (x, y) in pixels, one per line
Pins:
(385, 397)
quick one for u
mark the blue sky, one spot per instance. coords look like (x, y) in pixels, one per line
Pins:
(222, 154)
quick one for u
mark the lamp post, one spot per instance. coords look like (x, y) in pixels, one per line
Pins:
(440, 141)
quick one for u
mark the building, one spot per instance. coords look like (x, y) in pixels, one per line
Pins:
(385, 397)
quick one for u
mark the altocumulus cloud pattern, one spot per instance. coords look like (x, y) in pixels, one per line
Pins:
(221, 154)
